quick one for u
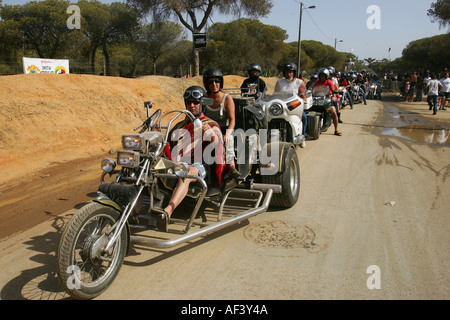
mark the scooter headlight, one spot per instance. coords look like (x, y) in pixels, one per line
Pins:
(276, 110)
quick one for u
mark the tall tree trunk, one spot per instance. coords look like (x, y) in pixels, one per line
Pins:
(196, 63)
(107, 60)
(93, 51)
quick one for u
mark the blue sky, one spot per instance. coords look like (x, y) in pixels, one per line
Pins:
(400, 22)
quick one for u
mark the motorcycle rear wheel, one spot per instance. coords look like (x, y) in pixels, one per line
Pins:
(316, 132)
(83, 269)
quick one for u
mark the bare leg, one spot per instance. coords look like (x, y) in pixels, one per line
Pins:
(335, 118)
(180, 192)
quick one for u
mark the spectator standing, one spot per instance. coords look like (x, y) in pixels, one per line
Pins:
(426, 79)
(420, 85)
(444, 94)
(433, 87)
(412, 87)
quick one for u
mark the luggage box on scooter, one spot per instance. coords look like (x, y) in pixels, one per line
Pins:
(243, 118)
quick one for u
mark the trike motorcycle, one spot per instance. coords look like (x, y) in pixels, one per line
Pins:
(98, 236)
(373, 90)
(357, 93)
(319, 114)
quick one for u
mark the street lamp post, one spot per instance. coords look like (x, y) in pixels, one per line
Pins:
(336, 41)
(300, 34)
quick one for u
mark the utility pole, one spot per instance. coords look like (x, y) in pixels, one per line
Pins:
(300, 35)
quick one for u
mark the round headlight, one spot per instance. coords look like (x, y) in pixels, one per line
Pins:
(108, 165)
(276, 110)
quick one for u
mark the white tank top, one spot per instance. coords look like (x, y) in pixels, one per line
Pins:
(219, 115)
(285, 85)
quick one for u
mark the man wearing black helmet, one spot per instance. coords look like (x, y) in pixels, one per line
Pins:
(314, 77)
(254, 81)
(291, 83)
(182, 141)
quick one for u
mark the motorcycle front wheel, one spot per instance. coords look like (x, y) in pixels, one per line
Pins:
(289, 180)
(84, 269)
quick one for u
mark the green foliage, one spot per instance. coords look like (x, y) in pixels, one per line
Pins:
(315, 55)
(105, 24)
(440, 12)
(194, 15)
(114, 40)
(156, 39)
(40, 26)
(233, 46)
(431, 53)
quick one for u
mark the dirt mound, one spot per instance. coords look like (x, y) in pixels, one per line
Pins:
(55, 118)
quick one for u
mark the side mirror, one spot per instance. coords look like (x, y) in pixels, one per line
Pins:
(204, 101)
(148, 104)
(308, 94)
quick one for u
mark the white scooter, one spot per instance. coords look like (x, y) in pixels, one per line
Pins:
(284, 112)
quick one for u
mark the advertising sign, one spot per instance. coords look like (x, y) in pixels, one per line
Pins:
(199, 41)
(38, 65)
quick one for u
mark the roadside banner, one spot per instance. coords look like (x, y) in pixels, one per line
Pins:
(199, 41)
(38, 65)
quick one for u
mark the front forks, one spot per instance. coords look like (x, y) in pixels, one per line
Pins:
(119, 225)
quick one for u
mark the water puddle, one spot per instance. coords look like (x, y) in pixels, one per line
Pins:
(420, 134)
(412, 127)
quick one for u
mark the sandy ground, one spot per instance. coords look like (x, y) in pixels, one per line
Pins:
(52, 120)
(65, 126)
(368, 198)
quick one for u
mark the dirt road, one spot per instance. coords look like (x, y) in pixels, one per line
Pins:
(372, 222)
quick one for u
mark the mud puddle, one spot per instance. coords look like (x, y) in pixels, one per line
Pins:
(412, 127)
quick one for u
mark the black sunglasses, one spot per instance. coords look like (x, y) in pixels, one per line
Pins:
(196, 102)
(213, 81)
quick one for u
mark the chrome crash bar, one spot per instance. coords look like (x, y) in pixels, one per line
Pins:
(154, 243)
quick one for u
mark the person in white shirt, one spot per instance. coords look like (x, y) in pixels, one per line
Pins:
(291, 83)
(444, 94)
(433, 87)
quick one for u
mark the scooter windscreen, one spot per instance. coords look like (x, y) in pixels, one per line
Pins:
(285, 96)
